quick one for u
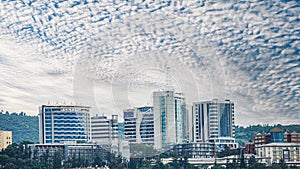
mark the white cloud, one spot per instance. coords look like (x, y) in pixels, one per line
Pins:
(245, 51)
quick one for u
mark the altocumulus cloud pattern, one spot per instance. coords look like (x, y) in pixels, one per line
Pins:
(245, 51)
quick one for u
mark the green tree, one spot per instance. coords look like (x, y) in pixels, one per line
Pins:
(242, 161)
(57, 160)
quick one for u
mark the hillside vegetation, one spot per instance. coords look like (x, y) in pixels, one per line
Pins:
(23, 127)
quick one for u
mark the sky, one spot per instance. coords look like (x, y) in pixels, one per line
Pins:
(113, 54)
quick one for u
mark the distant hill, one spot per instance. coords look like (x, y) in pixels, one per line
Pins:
(246, 134)
(23, 127)
(26, 128)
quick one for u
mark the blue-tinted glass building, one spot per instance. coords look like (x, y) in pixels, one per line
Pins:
(170, 119)
(277, 135)
(61, 123)
(139, 125)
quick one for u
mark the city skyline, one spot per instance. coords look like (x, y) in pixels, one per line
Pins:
(93, 54)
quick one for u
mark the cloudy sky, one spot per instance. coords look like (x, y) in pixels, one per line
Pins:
(113, 54)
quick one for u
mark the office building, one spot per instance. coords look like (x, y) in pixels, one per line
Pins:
(104, 130)
(195, 150)
(293, 137)
(69, 150)
(5, 139)
(63, 123)
(139, 125)
(170, 119)
(276, 136)
(213, 121)
(274, 152)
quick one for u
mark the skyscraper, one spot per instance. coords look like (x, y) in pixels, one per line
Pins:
(170, 119)
(139, 125)
(213, 121)
(62, 123)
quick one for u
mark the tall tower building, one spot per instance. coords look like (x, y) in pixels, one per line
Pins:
(213, 121)
(62, 123)
(104, 130)
(139, 125)
(170, 119)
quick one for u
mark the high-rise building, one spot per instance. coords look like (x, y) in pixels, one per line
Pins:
(170, 119)
(139, 125)
(104, 130)
(214, 121)
(5, 139)
(63, 123)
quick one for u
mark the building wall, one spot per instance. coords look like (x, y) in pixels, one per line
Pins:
(61, 123)
(213, 119)
(196, 150)
(104, 130)
(5, 139)
(139, 125)
(274, 152)
(169, 118)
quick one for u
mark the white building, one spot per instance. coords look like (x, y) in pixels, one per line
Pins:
(63, 123)
(170, 119)
(104, 130)
(5, 139)
(214, 121)
(274, 152)
(139, 125)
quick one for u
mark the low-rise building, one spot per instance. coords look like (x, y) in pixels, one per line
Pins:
(274, 152)
(261, 138)
(293, 137)
(68, 150)
(5, 139)
(196, 150)
(249, 148)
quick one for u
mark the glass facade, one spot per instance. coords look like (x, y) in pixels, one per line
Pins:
(213, 119)
(163, 120)
(64, 123)
(139, 125)
(277, 137)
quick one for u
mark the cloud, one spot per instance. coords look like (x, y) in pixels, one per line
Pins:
(247, 52)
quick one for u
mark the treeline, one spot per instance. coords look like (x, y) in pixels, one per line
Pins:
(18, 156)
(23, 127)
(246, 134)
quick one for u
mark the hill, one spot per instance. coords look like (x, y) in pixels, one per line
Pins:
(23, 127)
(246, 134)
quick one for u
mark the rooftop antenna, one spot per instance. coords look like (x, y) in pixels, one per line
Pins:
(168, 79)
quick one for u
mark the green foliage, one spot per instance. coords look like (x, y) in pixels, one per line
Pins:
(246, 134)
(20, 124)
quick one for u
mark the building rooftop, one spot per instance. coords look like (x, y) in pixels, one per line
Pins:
(276, 130)
(72, 106)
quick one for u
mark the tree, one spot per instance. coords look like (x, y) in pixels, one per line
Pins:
(242, 161)
(252, 162)
(57, 160)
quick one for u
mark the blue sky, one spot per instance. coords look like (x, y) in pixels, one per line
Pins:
(114, 54)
